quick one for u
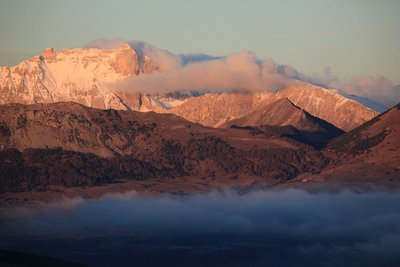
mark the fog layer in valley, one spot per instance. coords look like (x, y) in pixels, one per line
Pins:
(332, 228)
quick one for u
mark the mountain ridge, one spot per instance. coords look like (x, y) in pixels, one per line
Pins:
(89, 76)
(71, 144)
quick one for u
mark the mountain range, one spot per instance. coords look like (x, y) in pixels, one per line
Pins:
(90, 76)
(70, 145)
(65, 122)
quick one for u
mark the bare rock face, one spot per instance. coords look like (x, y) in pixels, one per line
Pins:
(82, 75)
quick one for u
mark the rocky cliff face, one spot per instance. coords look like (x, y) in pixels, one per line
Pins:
(85, 76)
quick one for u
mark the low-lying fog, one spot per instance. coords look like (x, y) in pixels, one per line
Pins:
(288, 228)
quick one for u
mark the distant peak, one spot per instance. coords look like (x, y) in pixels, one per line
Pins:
(124, 46)
(49, 50)
(120, 47)
(49, 53)
(104, 44)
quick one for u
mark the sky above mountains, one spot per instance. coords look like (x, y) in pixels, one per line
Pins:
(358, 37)
(347, 45)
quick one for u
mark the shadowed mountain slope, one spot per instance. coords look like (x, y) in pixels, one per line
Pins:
(283, 112)
(369, 153)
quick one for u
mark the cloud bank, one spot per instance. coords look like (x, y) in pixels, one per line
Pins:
(323, 227)
(376, 87)
(202, 72)
(237, 71)
(291, 211)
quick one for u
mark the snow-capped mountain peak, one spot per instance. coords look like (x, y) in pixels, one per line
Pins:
(83, 75)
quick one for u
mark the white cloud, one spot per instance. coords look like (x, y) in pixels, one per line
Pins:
(237, 71)
(376, 87)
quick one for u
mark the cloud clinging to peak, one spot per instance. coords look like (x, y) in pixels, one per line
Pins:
(241, 70)
(376, 87)
(237, 71)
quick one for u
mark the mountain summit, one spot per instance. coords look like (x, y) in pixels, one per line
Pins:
(84, 75)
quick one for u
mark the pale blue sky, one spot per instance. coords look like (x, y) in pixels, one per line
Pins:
(353, 37)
